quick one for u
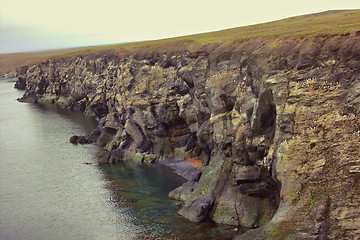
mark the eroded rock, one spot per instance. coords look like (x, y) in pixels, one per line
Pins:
(273, 123)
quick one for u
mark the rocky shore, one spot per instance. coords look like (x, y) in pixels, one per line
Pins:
(274, 122)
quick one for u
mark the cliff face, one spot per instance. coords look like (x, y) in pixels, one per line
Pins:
(274, 121)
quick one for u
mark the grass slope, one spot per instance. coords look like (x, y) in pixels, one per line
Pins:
(324, 23)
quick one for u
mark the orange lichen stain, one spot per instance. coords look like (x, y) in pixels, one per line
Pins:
(195, 162)
(221, 202)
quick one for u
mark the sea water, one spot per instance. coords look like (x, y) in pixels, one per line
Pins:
(48, 192)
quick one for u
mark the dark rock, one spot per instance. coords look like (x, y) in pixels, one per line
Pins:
(191, 143)
(113, 156)
(199, 209)
(126, 141)
(83, 140)
(74, 139)
(93, 136)
(259, 189)
(116, 156)
(254, 180)
(181, 141)
(104, 157)
(195, 175)
(105, 136)
(79, 139)
(100, 109)
(245, 174)
(305, 62)
(20, 83)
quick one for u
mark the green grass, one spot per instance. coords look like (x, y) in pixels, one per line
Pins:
(322, 24)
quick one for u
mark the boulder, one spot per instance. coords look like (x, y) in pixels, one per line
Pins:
(199, 209)
(182, 193)
(74, 139)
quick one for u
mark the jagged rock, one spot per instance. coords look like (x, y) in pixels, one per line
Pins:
(80, 139)
(113, 156)
(199, 209)
(100, 109)
(254, 189)
(245, 174)
(133, 130)
(182, 193)
(20, 83)
(105, 136)
(94, 135)
(286, 112)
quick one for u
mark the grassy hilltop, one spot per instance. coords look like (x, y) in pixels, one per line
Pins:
(324, 23)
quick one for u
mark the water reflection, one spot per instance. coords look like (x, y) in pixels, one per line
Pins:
(88, 123)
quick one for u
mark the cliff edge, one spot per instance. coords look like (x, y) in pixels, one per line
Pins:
(274, 122)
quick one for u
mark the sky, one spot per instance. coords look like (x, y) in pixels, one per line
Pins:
(32, 25)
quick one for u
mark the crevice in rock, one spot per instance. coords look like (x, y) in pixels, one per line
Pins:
(265, 117)
(228, 101)
(100, 109)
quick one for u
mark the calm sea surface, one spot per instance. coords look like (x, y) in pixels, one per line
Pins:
(47, 192)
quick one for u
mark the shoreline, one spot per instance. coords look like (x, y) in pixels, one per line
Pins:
(262, 114)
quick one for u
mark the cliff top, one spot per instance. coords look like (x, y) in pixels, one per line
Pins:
(324, 23)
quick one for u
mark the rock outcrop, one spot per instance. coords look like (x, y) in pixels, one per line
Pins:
(275, 122)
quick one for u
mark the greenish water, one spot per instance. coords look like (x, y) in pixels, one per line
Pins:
(47, 192)
(140, 194)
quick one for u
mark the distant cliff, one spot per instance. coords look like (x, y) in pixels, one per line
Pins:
(275, 122)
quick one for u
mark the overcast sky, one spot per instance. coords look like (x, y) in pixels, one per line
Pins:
(30, 25)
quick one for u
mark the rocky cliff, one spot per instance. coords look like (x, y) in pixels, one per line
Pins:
(274, 121)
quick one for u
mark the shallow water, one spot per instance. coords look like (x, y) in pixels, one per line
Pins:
(47, 192)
